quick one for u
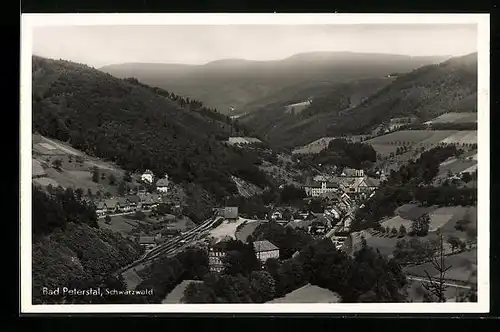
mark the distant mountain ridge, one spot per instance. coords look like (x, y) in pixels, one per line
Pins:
(227, 83)
(426, 92)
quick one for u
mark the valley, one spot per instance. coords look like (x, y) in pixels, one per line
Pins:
(319, 170)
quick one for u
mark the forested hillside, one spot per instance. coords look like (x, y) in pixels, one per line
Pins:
(272, 122)
(235, 83)
(138, 127)
(426, 92)
(69, 250)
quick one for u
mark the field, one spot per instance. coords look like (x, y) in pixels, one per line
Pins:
(309, 294)
(176, 295)
(119, 224)
(75, 169)
(243, 140)
(417, 139)
(37, 169)
(297, 108)
(463, 267)
(45, 182)
(444, 218)
(465, 117)
(320, 144)
(396, 222)
(413, 211)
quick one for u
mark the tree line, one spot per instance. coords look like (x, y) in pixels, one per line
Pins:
(56, 207)
(368, 277)
(343, 153)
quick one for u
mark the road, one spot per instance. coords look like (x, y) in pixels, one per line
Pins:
(122, 214)
(449, 284)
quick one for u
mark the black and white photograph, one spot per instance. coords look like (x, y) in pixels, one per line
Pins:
(255, 163)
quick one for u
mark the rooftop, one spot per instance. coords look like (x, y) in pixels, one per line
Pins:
(147, 240)
(264, 246)
(162, 183)
(309, 294)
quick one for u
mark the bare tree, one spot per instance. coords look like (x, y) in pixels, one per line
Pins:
(436, 286)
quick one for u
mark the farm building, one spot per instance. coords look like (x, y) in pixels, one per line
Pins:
(265, 250)
(162, 184)
(231, 213)
(309, 294)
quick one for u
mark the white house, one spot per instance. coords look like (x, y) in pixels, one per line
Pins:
(162, 184)
(147, 176)
(265, 250)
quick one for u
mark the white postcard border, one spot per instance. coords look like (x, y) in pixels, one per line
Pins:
(29, 21)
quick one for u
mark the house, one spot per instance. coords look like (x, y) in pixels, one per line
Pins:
(372, 183)
(346, 223)
(100, 208)
(353, 185)
(112, 205)
(265, 250)
(315, 188)
(134, 202)
(148, 242)
(216, 254)
(123, 204)
(277, 215)
(333, 212)
(352, 173)
(162, 185)
(147, 202)
(147, 176)
(231, 213)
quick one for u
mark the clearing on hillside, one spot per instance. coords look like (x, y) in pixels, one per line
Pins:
(452, 117)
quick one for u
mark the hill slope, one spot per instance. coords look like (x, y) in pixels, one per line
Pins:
(136, 126)
(426, 92)
(234, 82)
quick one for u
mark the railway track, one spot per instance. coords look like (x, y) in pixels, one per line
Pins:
(173, 246)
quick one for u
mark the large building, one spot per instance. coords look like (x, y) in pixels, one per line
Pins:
(216, 254)
(231, 213)
(316, 188)
(265, 250)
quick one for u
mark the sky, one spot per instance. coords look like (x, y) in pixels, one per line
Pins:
(98, 46)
